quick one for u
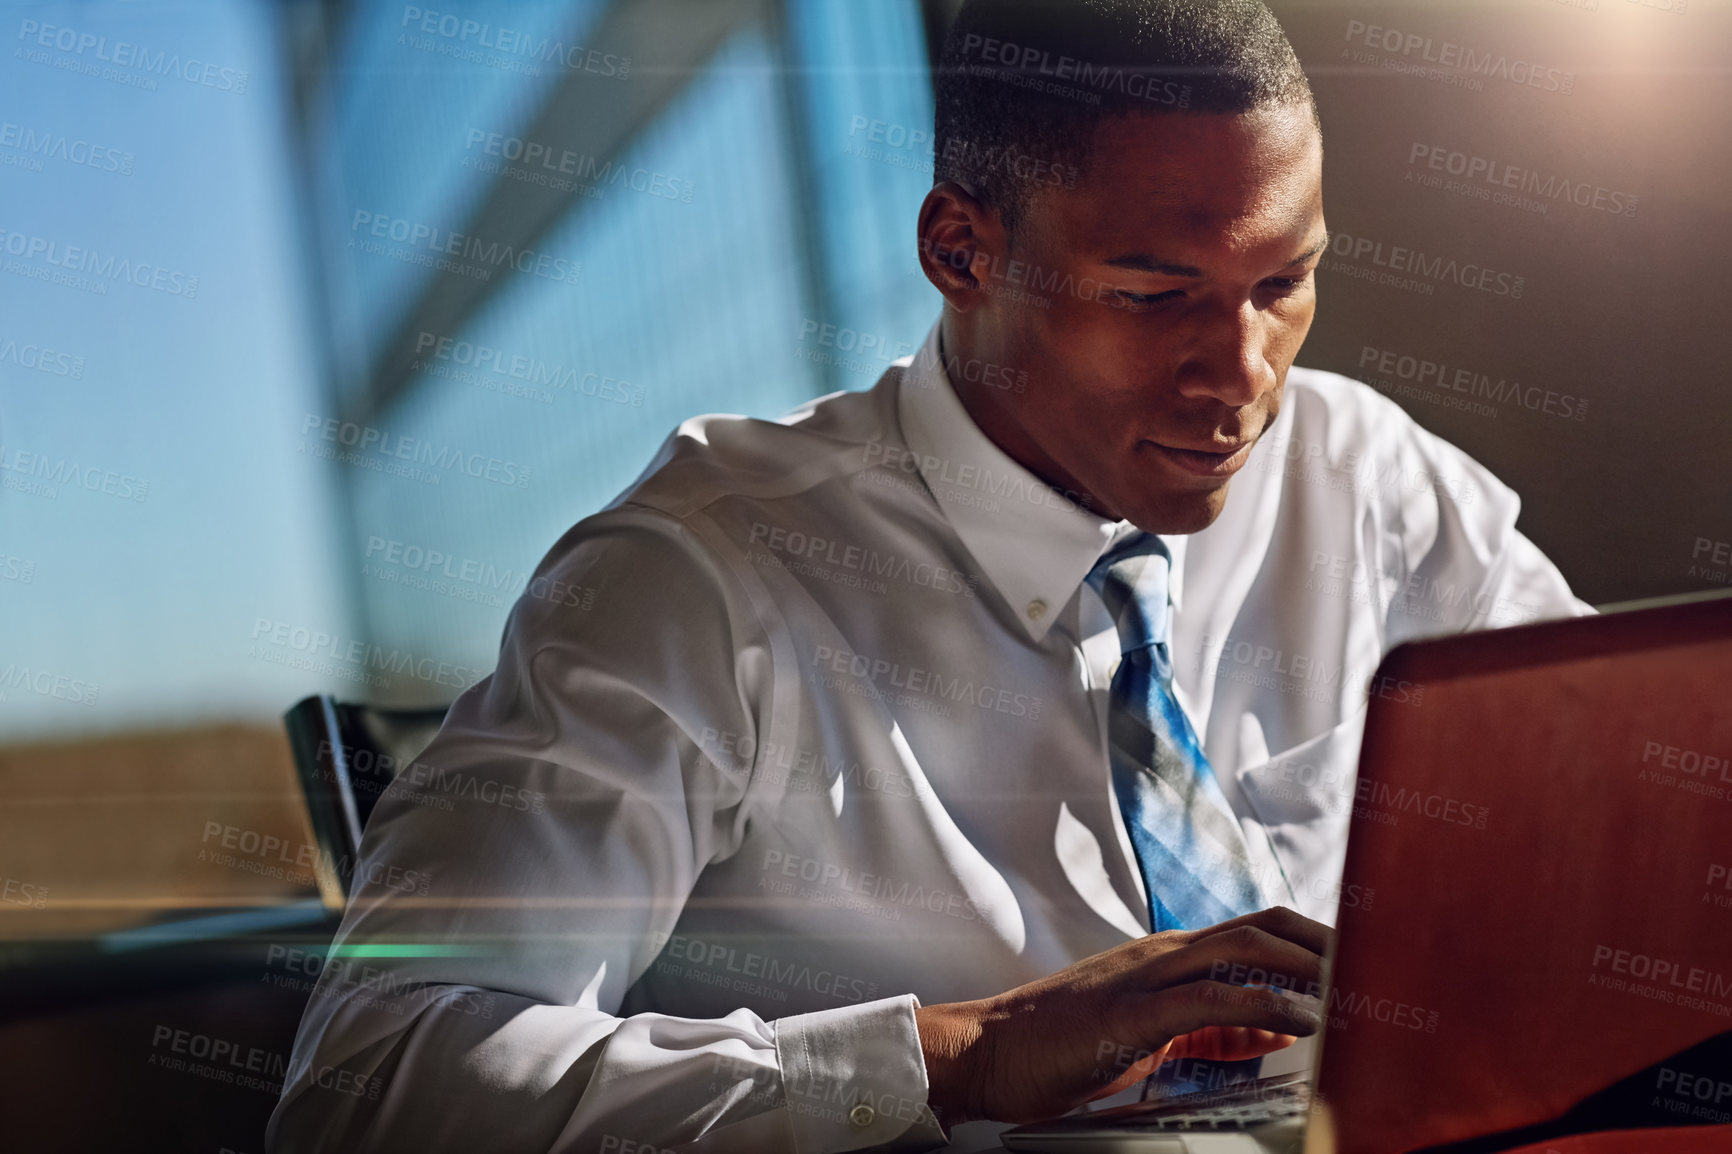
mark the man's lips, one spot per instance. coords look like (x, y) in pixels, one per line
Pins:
(1211, 462)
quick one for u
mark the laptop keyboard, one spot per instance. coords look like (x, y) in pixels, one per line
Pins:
(1273, 1103)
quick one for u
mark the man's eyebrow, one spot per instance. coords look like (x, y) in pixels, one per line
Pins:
(1141, 262)
(1310, 252)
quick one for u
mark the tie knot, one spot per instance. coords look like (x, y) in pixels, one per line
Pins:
(1131, 578)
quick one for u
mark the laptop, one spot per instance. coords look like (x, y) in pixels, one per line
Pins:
(1549, 835)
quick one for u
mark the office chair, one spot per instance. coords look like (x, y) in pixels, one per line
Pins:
(346, 755)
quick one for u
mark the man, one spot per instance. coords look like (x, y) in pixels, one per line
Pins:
(838, 809)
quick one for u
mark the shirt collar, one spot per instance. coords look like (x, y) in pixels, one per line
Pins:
(1033, 543)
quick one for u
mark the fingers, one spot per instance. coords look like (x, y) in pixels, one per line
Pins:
(1215, 1043)
(1242, 955)
(1228, 1044)
(1280, 922)
(1199, 1020)
(1191, 1007)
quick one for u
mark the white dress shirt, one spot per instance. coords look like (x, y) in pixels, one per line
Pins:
(809, 724)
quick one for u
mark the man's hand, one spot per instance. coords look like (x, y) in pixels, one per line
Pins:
(1094, 1028)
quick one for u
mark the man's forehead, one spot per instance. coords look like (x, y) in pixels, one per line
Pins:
(1242, 180)
(1267, 134)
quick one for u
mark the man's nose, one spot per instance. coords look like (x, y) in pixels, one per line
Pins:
(1228, 360)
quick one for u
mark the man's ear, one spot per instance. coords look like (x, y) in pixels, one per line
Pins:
(958, 235)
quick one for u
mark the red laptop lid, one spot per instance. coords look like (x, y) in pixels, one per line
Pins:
(1548, 829)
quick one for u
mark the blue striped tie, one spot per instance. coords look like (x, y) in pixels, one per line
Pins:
(1188, 843)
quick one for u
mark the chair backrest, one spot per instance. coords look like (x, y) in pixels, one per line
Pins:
(346, 755)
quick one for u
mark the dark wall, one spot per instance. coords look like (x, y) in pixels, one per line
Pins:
(1533, 197)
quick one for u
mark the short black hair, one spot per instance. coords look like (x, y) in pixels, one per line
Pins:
(1022, 84)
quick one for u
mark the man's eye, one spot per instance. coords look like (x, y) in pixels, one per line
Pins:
(1142, 300)
(1286, 284)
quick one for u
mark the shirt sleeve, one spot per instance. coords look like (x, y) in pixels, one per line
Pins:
(526, 869)
(1461, 563)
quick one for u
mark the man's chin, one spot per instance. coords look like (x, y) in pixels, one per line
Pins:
(1177, 513)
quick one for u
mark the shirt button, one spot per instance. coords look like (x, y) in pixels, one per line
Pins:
(1036, 609)
(862, 1115)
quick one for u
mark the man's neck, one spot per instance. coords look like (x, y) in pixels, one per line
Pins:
(1001, 429)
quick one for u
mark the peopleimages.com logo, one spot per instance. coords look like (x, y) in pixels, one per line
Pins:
(482, 42)
(364, 443)
(122, 54)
